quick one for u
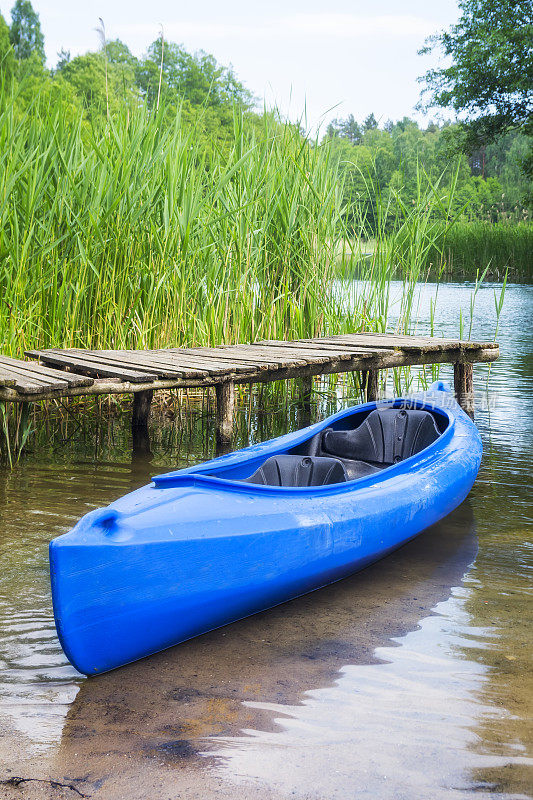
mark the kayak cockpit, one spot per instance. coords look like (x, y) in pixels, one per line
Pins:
(356, 444)
(384, 437)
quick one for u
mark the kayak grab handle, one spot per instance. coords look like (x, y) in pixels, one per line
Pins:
(105, 518)
(170, 479)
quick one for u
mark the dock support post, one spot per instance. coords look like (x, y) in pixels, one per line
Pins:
(370, 383)
(306, 391)
(139, 423)
(225, 394)
(463, 384)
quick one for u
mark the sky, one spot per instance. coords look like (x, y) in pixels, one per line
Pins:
(313, 60)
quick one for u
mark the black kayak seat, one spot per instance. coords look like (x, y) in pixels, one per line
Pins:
(386, 437)
(358, 469)
(291, 470)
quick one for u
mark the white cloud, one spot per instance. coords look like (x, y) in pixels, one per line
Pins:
(338, 26)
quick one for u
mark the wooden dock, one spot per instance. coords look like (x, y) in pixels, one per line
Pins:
(59, 373)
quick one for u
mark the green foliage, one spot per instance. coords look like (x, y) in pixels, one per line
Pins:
(395, 155)
(128, 233)
(345, 128)
(197, 78)
(491, 75)
(490, 78)
(127, 236)
(8, 62)
(370, 123)
(25, 32)
(87, 75)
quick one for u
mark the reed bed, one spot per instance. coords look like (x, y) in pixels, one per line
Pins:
(468, 248)
(129, 235)
(132, 237)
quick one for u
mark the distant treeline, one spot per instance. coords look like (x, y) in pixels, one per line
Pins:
(489, 184)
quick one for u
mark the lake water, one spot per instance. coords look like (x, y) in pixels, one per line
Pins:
(409, 680)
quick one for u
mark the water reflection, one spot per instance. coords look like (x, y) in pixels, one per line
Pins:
(286, 663)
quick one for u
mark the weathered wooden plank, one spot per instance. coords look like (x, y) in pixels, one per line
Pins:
(209, 360)
(160, 362)
(6, 381)
(150, 365)
(263, 355)
(257, 360)
(308, 354)
(343, 349)
(24, 370)
(220, 360)
(313, 353)
(40, 371)
(238, 354)
(218, 354)
(150, 360)
(113, 358)
(441, 341)
(362, 341)
(28, 384)
(93, 367)
(393, 338)
(138, 363)
(277, 357)
(406, 341)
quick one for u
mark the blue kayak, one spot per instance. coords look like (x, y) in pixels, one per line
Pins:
(202, 547)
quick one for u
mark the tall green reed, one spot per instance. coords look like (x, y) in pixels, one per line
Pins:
(469, 246)
(131, 236)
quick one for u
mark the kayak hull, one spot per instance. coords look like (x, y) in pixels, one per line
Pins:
(192, 552)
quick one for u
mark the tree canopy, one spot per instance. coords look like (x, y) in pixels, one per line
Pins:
(197, 77)
(490, 78)
(25, 32)
(391, 158)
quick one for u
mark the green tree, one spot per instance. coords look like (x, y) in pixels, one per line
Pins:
(25, 32)
(120, 53)
(370, 123)
(63, 57)
(7, 55)
(122, 67)
(490, 78)
(196, 77)
(87, 75)
(345, 128)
